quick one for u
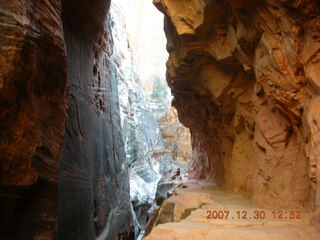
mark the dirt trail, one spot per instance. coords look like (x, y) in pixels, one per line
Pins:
(186, 216)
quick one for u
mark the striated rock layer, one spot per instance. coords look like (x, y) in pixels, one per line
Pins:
(62, 159)
(189, 214)
(32, 115)
(245, 79)
(94, 182)
(175, 136)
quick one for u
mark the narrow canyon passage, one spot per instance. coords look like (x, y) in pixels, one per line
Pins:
(160, 120)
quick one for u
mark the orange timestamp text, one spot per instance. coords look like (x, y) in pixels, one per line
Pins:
(254, 214)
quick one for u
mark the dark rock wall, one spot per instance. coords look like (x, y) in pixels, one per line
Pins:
(46, 48)
(94, 183)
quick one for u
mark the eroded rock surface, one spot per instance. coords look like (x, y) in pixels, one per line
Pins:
(145, 153)
(189, 214)
(32, 115)
(176, 137)
(245, 80)
(32, 93)
(93, 162)
(62, 160)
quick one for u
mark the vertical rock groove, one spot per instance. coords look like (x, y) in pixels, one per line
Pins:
(62, 159)
(94, 185)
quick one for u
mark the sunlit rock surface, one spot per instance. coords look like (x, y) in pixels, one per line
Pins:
(176, 137)
(145, 152)
(245, 80)
(192, 213)
(152, 152)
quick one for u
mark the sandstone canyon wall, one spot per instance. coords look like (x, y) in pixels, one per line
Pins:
(245, 79)
(32, 99)
(176, 137)
(93, 170)
(63, 170)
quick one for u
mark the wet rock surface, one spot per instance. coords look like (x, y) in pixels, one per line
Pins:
(164, 190)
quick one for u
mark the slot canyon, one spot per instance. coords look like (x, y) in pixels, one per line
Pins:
(160, 120)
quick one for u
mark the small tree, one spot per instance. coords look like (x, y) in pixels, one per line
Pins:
(160, 90)
(160, 95)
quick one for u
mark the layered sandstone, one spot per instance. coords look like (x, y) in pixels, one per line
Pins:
(203, 211)
(61, 152)
(32, 84)
(176, 137)
(245, 80)
(32, 115)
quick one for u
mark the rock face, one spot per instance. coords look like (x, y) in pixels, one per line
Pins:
(140, 129)
(93, 158)
(32, 93)
(176, 137)
(245, 79)
(151, 153)
(63, 176)
(32, 116)
(203, 211)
